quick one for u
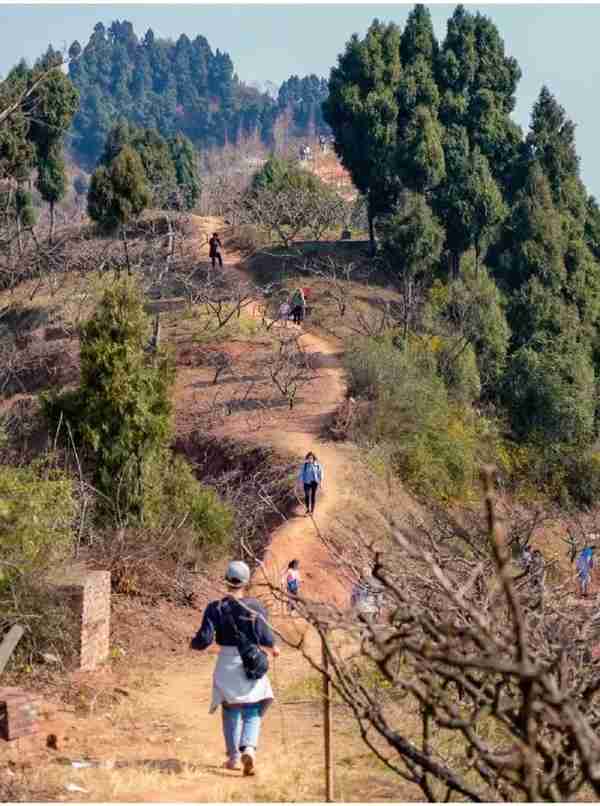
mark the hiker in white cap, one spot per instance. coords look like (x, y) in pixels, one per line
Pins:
(241, 686)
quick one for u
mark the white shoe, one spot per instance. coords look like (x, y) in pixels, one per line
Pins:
(248, 761)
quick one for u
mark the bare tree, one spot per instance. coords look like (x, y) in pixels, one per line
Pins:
(337, 274)
(288, 367)
(468, 688)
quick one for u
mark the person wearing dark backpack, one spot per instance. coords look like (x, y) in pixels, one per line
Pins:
(239, 625)
(214, 250)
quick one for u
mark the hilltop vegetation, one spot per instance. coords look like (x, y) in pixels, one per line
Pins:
(178, 87)
(488, 233)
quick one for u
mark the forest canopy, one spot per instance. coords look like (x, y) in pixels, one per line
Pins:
(177, 87)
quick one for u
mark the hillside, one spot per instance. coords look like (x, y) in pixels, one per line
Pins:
(180, 87)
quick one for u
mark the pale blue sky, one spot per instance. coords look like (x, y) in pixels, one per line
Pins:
(554, 44)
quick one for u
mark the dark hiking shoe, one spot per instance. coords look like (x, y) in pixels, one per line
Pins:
(248, 761)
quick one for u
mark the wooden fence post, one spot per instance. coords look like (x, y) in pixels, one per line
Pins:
(327, 723)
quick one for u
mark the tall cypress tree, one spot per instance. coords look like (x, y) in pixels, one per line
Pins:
(362, 111)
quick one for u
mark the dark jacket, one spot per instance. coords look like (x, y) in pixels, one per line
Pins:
(215, 626)
(214, 247)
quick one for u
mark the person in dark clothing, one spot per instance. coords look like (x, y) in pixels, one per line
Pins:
(244, 702)
(214, 250)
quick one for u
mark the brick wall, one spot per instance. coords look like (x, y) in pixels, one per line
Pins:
(89, 599)
(19, 713)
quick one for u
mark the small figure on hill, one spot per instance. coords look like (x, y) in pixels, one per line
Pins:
(298, 304)
(311, 476)
(537, 569)
(284, 312)
(526, 557)
(292, 584)
(214, 250)
(584, 565)
(366, 598)
(239, 625)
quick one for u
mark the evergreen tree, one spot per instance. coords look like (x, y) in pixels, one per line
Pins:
(362, 111)
(552, 143)
(52, 178)
(158, 165)
(422, 164)
(122, 409)
(477, 83)
(418, 39)
(185, 161)
(412, 240)
(118, 193)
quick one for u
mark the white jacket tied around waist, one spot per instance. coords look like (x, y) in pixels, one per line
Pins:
(231, 686)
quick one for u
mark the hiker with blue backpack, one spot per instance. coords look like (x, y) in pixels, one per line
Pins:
(239, 625)
(584, 565)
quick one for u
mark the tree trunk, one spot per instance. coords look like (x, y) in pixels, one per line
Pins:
(126, 250)
(19, 235)
(476, 257)
(371, 231)
(407, 306)
(51, 236)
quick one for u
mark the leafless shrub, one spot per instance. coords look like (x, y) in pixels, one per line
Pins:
(288, 367)
(471, 686)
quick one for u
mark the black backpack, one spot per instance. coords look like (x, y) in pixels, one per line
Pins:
(254, 660)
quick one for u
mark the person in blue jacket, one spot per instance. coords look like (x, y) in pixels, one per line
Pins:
(311, 476)
(243, 701)
(584, 565)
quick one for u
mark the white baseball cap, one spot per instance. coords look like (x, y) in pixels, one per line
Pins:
(238, 574)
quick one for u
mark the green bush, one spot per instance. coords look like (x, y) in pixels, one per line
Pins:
(373, 365)
(471, 309)
(460, 371)
(174, 497)
(434, 442)
(550, 392)
(36, 511)
(36, 514)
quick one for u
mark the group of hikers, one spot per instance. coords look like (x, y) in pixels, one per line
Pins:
(239, 624)
(296, 307)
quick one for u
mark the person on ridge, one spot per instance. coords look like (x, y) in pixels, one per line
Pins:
(292, 584)
(311, 476)
(367, 596)
(244, 701)
(298, 306)
(214, 250)
(584, 565)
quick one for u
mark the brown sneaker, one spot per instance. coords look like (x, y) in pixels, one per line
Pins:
(248, 761)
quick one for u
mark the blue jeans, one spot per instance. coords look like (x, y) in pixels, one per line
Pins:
(241, 727)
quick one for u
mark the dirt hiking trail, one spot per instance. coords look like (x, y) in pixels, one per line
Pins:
(298, 432)
(166, 712)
